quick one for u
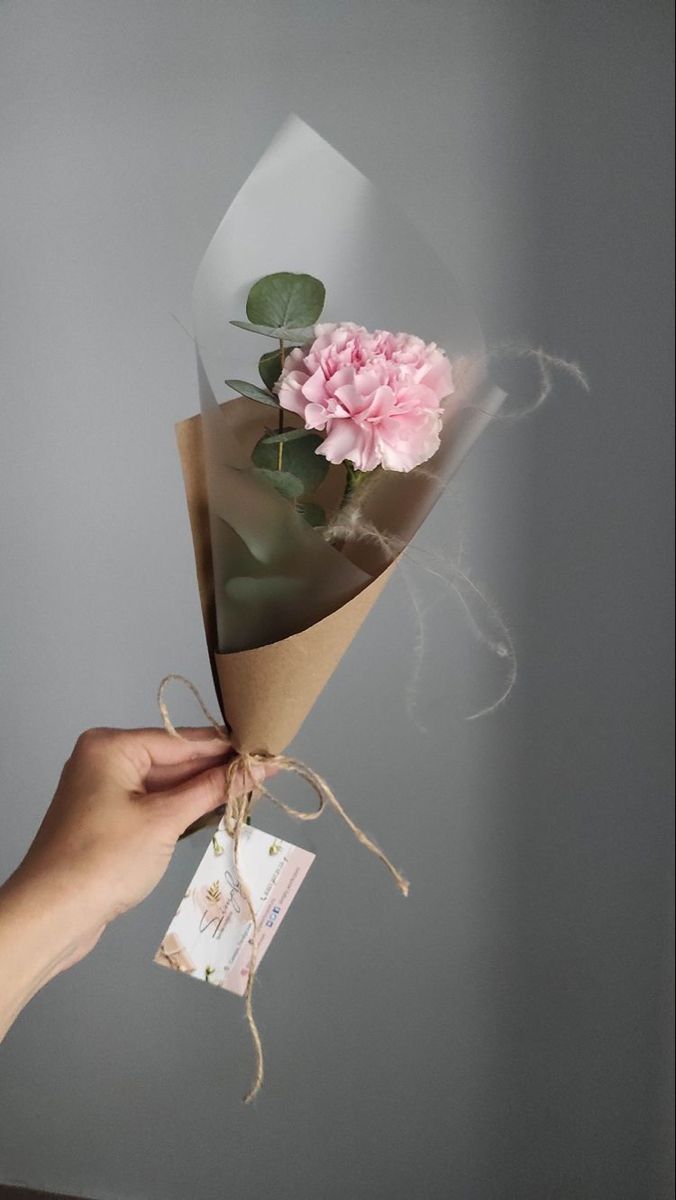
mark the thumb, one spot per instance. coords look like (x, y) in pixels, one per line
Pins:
(186, 803)
(200, 795)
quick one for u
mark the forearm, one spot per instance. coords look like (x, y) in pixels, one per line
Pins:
(38, 938)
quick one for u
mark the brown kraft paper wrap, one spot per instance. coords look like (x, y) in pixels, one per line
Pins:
(266, 693)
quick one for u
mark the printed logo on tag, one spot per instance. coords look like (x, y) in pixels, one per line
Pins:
(210, 936)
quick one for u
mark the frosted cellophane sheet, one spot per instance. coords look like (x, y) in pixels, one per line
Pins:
(305, 208)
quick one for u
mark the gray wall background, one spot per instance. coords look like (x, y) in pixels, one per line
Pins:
(503, 1034)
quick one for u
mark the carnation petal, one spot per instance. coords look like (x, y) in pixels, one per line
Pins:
(315, 416)
(438, 375)
(290, 394)
(383, 402)
(314, 388)
(348, 441)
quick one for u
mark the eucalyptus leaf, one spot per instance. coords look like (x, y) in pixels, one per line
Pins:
(312, 513)
(288, 435)
(252, 392)
(248, 589)
(288, 485)
(286, 300)
(294, 452)
(270, 367)
(292, 336)
(265, 330)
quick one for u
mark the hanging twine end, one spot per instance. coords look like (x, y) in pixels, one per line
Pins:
(251, 1095)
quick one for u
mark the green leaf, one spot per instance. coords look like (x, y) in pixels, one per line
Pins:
(249, 589)
(252, 392)
(287, 435)
(286, 300)
(312, 513)
(270, 367)
(281, 333)
(298, 457)
(288, 485)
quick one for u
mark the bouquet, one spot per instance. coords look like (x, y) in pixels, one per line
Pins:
(342, 382)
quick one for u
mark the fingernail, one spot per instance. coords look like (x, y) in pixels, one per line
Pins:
(207, 734)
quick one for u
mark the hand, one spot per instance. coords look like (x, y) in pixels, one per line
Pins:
(123, 800)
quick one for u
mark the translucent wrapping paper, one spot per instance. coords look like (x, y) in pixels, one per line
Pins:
(280, 602)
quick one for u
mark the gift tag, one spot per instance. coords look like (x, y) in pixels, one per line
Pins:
(210, 936)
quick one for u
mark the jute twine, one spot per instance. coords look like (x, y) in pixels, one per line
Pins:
(243, 786)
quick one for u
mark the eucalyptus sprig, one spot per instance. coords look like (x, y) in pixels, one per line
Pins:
(285, 306)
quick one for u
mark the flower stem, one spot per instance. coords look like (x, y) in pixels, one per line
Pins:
(280, 418)
(354, 478)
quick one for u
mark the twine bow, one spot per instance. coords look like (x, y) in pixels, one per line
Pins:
(244, 774)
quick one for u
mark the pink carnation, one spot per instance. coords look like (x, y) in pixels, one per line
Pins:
(377, 395)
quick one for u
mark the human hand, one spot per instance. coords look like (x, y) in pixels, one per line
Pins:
(123, 800)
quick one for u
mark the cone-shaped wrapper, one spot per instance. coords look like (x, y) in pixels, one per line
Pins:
(265, 694)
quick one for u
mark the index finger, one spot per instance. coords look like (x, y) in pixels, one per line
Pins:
(144, 749)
